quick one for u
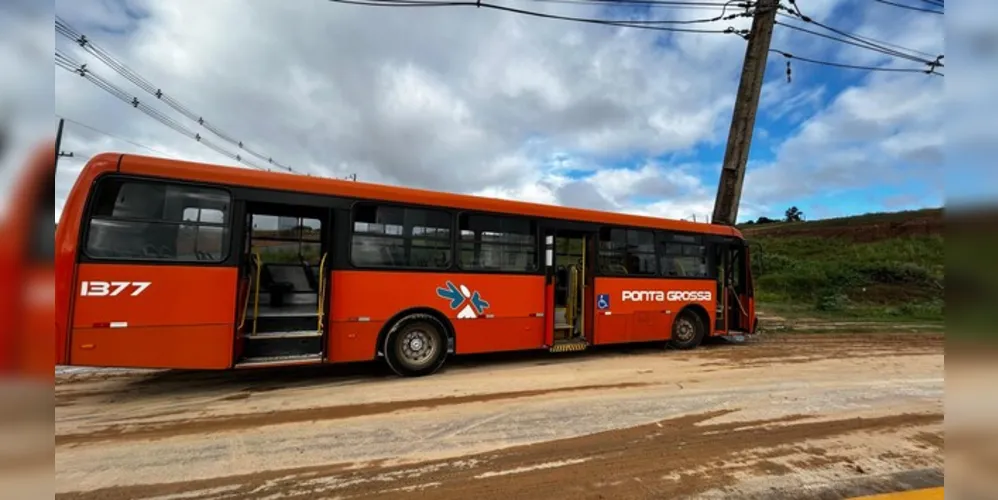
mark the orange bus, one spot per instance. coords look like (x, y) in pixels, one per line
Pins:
(173, 264)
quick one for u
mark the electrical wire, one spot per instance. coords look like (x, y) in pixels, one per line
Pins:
(866, 45)
(663, 4)
(910, 7)
(67, 31)
(790, 56)
(878, 45)
(113, 136)
(69, 64)
(604, 22)
(859, 41)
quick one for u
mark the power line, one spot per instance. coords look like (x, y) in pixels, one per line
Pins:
(859, 41)
(67, 63)
(67, 31)
(656, 3)
(115, 137)
(605, 22)
(651, 4)
(790, 57)
(910, 7)
(868, 42)
(861, 44)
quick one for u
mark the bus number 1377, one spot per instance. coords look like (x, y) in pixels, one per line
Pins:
(112, 288)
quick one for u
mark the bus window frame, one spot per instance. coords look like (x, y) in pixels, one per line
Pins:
(83, 257)
(663, 237)
(599, 252)
(537, 222)
(353, 219)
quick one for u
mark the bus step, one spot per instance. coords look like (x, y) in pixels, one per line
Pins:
(569, 346)
(298, 334)
(304, 359)
(562, 326)
(296, 310)
(270, 324)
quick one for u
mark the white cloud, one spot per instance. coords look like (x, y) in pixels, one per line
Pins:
(484, 102)
(885, 131)
(25, 87)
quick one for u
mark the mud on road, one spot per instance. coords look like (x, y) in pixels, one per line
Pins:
(779, 416)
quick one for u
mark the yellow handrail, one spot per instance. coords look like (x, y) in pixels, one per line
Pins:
(256, 298)
(322, 288)
(571, 295)
(242, 321)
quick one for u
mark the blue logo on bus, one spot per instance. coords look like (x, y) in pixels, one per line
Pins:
(603, 301)
(474, 304)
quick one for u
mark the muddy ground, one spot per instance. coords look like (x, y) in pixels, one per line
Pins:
(781, 416)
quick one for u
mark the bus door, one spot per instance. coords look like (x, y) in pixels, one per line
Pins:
(733, 292)
(283, 285)
(569, 260)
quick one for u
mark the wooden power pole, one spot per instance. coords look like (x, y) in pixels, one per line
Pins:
(729, 189)
(58, 139)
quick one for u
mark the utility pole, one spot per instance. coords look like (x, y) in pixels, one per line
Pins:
(58, 140)
(729, 188)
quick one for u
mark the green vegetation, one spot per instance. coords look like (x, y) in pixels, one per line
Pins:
(873, 268)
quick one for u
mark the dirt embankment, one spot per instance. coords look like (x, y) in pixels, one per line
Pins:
(858, 229)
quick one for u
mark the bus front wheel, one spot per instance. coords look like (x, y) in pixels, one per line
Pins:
(687, 331)
(416, 346)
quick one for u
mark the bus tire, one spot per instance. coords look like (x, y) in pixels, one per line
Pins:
(687, 330)
(416, 345)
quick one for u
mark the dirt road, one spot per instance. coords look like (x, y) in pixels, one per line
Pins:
(779, 416)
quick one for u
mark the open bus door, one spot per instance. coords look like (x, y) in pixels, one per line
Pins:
(734, 292)
(283, 286)
(570, 263)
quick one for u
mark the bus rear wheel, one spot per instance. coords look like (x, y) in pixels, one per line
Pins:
(687, 330)
(416, 346)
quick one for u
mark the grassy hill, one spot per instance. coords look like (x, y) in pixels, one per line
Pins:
(874, 267)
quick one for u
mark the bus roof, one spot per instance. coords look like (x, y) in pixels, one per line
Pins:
(203, 172)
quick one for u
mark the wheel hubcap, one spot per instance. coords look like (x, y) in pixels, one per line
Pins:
(417, 348)
(685, 330)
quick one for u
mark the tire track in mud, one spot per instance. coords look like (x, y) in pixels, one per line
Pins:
(222, 423)
(805, 348)
(666, 459)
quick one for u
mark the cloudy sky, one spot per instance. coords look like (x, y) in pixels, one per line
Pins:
(493, 103)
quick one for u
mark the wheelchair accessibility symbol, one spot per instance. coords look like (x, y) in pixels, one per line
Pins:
(603, 301)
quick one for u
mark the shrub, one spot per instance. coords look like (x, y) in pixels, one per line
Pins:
(892, 273)
(831, 301)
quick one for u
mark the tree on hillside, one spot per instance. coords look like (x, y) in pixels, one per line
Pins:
(765, 220)
(793, 214)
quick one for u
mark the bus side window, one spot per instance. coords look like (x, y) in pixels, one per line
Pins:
(497, 243)
(627, 252)
(390, 236)
(141, 220)
(682, 256)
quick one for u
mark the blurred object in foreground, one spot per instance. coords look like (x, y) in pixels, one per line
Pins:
(27, 309)
(971, 140)
(27, 206)
(27, 298)
(972, 351)
(972, 274)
